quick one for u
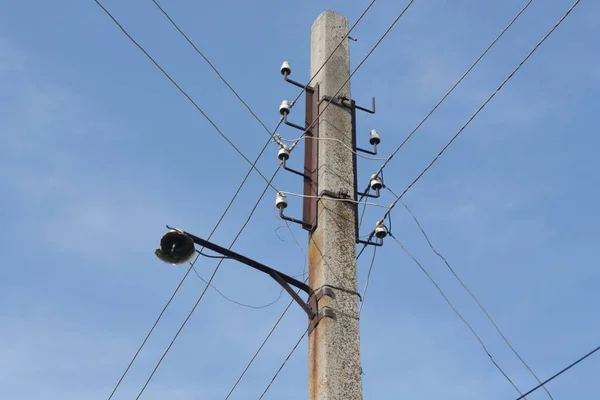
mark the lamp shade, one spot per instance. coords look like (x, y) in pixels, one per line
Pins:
(175, 248)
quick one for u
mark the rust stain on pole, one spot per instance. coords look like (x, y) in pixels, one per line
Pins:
(314, 258)
(311, 149)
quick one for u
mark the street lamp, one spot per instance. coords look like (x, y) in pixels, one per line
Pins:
(177, 247)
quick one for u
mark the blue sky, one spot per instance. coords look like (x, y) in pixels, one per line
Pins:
(98, 151)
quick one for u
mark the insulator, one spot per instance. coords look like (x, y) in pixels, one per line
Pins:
(281, 201)
(283, 154)
(284, 108)
(374, 137)
(381, 230)
(376, 183)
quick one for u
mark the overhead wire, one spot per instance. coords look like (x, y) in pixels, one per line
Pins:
(466, 288)
(364, 294)
(166, 14)
(166, 74)
(479, 110)
(559, 373)
(389, 158)
(283, 364)
(449, 302)
(259, 350)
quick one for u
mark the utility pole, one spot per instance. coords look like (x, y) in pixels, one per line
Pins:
(334, 347)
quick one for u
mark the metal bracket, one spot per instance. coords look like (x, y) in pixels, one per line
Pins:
(353, 104)
(314, 298)
(288, 123)
(305, 224)
(339, 196)
(373, 196)
(311, 159)
(309, 89)
(284, 163)
(325, 312)
(305, 306)
(318, 315)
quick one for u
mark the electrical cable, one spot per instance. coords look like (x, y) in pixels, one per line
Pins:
(283, 364)
(305, 256)
(481, 307)
(213, 68)
(479, 110)
(367, 282)
(559, 373)
(209, 256)
(185, 94)
(456, 312)
(235, 301)
(454, 86)
(260, 348)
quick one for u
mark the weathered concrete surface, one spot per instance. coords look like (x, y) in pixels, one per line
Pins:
(334, 351)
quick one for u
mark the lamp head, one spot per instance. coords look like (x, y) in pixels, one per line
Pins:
(176, 247)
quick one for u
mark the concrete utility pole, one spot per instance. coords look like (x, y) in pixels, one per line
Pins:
(334, 348)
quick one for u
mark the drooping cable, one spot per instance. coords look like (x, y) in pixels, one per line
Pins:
(481, 307)
(364, 294)
(439, 289)
(239, 303)
(479, 110)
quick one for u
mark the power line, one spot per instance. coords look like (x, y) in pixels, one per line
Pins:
(259, 349)
(439, 289)
(454, 86)
(367, 281)
(479, 110)
(185, 94)
(559, 373)
(487, 314)
(206, 287)
(283, 364)
(213, 67)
